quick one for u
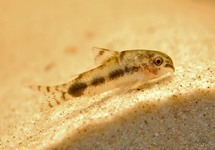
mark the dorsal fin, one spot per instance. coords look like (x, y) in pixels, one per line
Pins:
(102, 55)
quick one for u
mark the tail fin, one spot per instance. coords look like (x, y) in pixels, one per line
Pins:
(54, 95)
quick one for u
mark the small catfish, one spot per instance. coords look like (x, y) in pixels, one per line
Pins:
(117, 71)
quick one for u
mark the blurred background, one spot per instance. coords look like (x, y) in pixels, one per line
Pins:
(48, 41)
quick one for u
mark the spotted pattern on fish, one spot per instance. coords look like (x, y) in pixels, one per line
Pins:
(97, 81)
(116, 74)
(77, 89)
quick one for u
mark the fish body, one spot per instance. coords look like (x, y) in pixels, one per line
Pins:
(120, 71)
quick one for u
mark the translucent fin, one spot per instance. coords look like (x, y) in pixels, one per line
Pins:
(53, 95)
(125, 87)
(102, 55)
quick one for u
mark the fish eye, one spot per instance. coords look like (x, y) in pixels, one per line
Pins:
(158, 61)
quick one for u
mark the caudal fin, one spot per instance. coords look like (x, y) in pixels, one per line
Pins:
(53, 95)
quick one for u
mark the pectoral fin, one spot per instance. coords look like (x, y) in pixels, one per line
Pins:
(124, 88)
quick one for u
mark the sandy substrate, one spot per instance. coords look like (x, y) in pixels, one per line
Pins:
(48, 42)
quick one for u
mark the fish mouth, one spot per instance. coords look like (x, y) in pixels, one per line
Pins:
(170, 66)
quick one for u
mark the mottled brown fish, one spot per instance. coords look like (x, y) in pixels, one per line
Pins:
(119, 71)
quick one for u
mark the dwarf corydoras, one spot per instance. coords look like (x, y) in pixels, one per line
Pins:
(118, 71)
